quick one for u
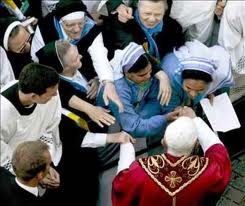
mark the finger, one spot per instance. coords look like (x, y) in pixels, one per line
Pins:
(122, 19)
(120, 106)
(99, 123)
(90, 81)
(106, 110)
(92, 94)
(106, 100)
(164, 98)
(159, 94)
(107, 117)
(132, 140)
(168, 97)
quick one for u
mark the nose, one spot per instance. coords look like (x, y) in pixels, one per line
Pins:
(152, 18)
(192, 94)
(77, 28)
(148, 76)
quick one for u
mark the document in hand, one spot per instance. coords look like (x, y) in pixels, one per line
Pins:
(221, 113)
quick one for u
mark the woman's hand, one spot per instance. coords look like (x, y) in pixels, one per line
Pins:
(164, 94)
(100, 116)
(94, 86)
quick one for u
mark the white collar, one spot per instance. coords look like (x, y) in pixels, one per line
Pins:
(33, 190)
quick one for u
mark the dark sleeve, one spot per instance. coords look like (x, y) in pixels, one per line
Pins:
(171, 37)
(35, 9)
(174, 33)
(66, 91)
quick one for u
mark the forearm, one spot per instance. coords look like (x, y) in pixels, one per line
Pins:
(126, 157)
(94, 140)
(79, 104)
(206, 136)
(98, 54)
(139, 127)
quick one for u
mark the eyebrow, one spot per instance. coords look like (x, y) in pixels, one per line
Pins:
(193, 89)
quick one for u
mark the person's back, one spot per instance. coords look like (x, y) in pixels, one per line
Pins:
(30, 115)
(31, 163)
(176, 177)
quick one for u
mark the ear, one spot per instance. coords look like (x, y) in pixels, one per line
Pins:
(33, 96)
(163, 142)
(40, 175)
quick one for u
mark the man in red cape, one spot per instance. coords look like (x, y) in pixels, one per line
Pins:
(176, 177)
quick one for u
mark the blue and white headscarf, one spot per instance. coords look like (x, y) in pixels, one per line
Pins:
(132, 54)
(89, 24)
(149, 32)
(215, 61)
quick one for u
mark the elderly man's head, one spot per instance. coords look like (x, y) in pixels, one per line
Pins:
(151, 12)
(180, 137)
(31, 159)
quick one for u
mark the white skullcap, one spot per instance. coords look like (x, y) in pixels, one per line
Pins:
(180, 136)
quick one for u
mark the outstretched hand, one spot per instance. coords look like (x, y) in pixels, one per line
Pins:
(120, 137)
(111, 94)
(165, 90)
(124, 13)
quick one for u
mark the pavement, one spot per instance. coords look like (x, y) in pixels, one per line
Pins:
(235, 192)
(234, 141)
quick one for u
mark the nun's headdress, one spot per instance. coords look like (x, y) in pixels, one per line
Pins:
(6, 27)
(48, 55)
(133, 53)
(70, 10)
(198, 64)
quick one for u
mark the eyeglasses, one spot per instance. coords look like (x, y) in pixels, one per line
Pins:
(23, 47)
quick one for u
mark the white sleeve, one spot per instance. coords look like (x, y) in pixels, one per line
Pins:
(36, 44)
(126, 157)
(6, 155)
(8, 129)
(206, 136)
(94, 140)
(6, 70)
(98, 54)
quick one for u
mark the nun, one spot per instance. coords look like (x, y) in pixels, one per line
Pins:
(71, 21)
(197, 71)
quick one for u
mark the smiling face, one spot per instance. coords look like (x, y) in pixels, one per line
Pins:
(73, 28)
(194, 87)
(72, 60)
(141, 76)
(151, 13)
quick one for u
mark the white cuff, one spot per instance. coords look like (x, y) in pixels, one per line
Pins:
(206, 136)
(127, 156)
(94, 140)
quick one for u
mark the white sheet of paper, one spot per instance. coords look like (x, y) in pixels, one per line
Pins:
(221, 114)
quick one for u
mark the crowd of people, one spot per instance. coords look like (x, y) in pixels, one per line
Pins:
(71, 69)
